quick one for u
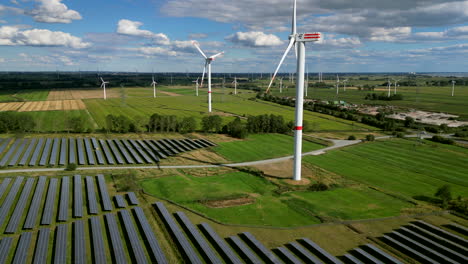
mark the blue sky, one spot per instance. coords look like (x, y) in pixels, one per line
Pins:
(147, 35)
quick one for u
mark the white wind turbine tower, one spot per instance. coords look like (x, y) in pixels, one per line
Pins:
(208, 61)
(337, 84)
(235, 85)
(344, 84)
(281, 85)
(103, 85)
(196, 86)
(306, 88)
(154, 87)
(389, 85)
(396, 82)
(297, 40)
(453, 87)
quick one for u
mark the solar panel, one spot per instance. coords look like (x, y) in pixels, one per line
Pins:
(117, 250)
(129, 227)
(204, 144)
(219, 244)
(441, 232)
(54, 152)
(146, 150)
(107, 152)
(72, 151)
(318, 251)
(22, 248)
(63, 151)
(259, 248)
(37, 151)
(197, 239)
(5, 209)
(407, 250)
(190, 144)
(4, 144)
(97, 246)
(195, 143)
(351, 259)
(140, 151)
(171, 145)
(247, 254)
(124, 152)
(45, 152)
(133, 153)
(156, 252)
(133, 200)
(28, 152)
(60, 253)
(50, 201)
(89, 152)
(79, 247)
(119, 201)
(20, 205)
(439, 239)
(153, 148)
(180, 239)
(4, 186)
(7, 156)
(18, 152)
(163, 149)
(303, 253)
(115, 151)
(366, 257)
(179, 145)
(5, 245)
(207, 142)
(106, 202)
(97, 150)
(91, 194)
(42, 246)
(386, 257)
(287, 256)
(35, 204)
(77, 196)
(63, 203)
(80, 151)
(167, 146)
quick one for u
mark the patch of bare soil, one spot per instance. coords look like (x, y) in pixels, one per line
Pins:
(169, 93)
(229, 203)
(303, 181)
(282, 169)
(221, 114)
(216, 137)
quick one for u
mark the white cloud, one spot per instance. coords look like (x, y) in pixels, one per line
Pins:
(53, 11)
(254, 39)
(2, 60)
(132, 28)
(197, 36)
(153, 51)
(13, 36)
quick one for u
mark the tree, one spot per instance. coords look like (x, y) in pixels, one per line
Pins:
(236, 129)
(77, 124)
(444, 193)
(188, 125)
(352, 137)
(210, 123)
(409, 121)
(71, 167)
(370, 137)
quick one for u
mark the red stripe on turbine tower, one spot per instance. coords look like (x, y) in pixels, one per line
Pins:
(298, 128)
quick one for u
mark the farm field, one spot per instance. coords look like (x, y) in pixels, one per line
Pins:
(57, 121)
(77, 94)
(23, 95)
(404, 167)
(258, 147)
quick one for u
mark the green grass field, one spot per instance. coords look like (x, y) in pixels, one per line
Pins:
(263, 146)
(23, 95)
(404, 167)
(50, 121)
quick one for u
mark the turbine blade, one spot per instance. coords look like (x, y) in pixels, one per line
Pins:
(216, 55)
(295, 50)
(293, 29)
(198, 48)
(203, 75)
(291, 43)
(102, 79)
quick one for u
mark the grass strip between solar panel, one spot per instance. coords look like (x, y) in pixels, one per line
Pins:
(79, 246)
(106, 201)
(77, 196)
(132, 235)
(197, 239)
(21, 253)
(18, 153)
(219, 244)
(42, 246)
(28, 152)
(91, 194)
(117, 250)
(64, 197)
(5, 245)
(156, 252)
(61, 242)
(35, 203)
(49, 203)
(98, 250)
(179, 237)
(5, 209)
(10, 152)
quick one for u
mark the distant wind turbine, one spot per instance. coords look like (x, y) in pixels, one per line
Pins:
(154, 87)
(208, 61)
(453, 87)
(235, 85)
(337, 84)
(196, 85)
(281, 85)
(389, 85)
(103, 85)
(396, 82)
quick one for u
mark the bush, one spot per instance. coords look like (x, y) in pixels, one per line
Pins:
(71, 167)
(370, 137)
(318, 187)
(444, 193)
(352, 137)
(442, 140)
(400, 135)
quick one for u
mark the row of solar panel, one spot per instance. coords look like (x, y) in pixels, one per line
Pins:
(50, 200)
(91, 151)
(136, 229)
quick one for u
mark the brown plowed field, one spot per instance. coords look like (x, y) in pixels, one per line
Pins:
(10, 106)
(77, 94)
(43, 106)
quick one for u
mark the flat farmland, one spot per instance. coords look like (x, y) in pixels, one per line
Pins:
(78, 94)
(400, 166)
(9, 95)
(62, 105)
(57, 121)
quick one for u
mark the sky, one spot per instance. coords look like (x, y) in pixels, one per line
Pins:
(157, 35)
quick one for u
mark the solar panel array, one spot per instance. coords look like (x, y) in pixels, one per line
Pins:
(91, 151)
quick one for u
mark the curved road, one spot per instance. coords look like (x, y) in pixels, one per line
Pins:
(336, 144)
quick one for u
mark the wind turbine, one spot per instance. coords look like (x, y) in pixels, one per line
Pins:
(208, 61)
(235, 85)
(103, 85)
(307, 82)
(281, 85)
(337, 84)
(196, 85)
(396, 81)
(154, 87)
(297, 40)
(389, 85)
(344, 84)
(453, 87)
